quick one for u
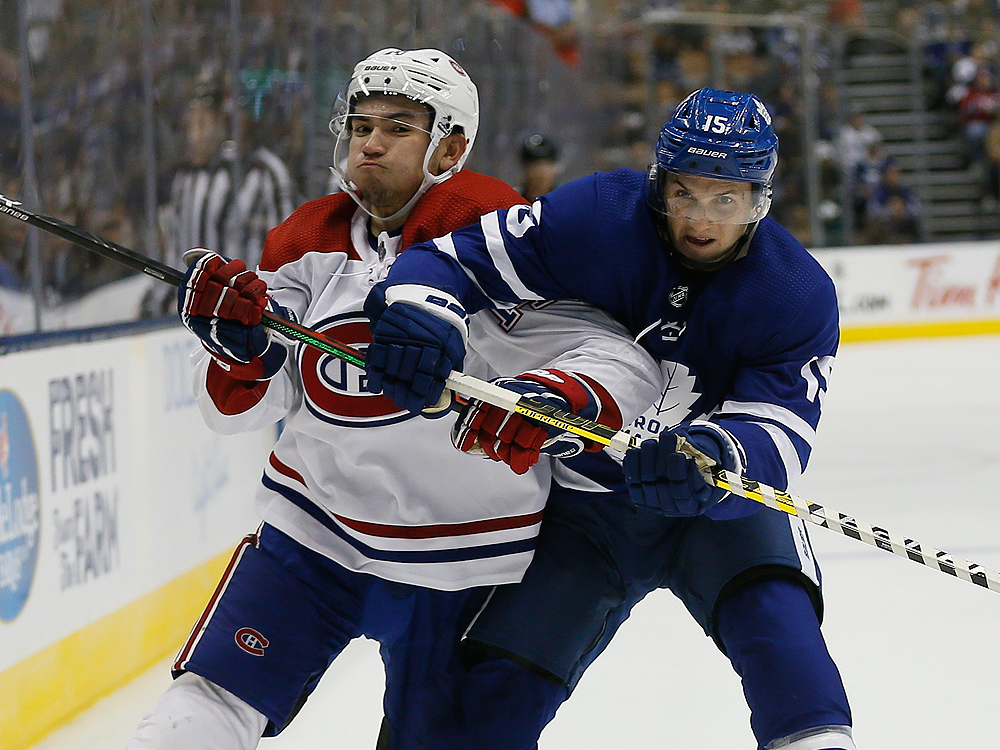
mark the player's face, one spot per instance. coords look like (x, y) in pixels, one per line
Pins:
(388, 140)
(205, 131)
(706, 216)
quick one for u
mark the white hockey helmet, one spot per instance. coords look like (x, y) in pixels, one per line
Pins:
(427, 76)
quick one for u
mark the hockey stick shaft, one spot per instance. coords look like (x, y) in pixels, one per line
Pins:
(849, 526)
(462, 384)
(470, 387)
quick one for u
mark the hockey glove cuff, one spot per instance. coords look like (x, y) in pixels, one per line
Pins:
(245, 352)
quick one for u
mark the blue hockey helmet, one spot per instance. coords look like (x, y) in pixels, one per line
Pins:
(722, 135)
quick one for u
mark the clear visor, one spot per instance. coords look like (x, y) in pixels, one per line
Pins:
(704, 199)
(360, 126)
(347, 125)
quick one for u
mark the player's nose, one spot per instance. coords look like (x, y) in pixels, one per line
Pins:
(374, 143)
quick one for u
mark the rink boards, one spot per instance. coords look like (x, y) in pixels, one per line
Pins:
(118, 508)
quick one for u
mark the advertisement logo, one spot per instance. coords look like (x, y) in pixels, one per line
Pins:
(19, 507)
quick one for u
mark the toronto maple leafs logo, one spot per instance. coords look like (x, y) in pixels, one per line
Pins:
(674, 404)
(762, 110)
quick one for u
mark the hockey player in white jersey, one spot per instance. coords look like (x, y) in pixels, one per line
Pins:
(744, 324)
(372, 524)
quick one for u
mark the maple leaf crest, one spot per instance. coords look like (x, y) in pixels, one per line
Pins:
(674, 404)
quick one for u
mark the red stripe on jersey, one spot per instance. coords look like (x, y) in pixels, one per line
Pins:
(206, 615)
(285, 469)
(441, 530)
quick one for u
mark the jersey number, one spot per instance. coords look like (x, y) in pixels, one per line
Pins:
(522, 218)
(716, 124)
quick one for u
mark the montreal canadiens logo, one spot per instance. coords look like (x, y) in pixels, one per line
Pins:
(251, 641)
(334, 389)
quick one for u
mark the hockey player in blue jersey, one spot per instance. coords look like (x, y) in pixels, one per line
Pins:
(744, 324)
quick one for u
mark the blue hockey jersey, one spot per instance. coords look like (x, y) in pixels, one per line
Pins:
(749, 347)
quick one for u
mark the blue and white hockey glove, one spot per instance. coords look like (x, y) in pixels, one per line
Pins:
(413, 351)
(516, 440)
(221, 302)
(664, 480)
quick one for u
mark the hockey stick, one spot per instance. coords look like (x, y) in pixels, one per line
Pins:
(470, 387)
(462, 384)
(848, 526)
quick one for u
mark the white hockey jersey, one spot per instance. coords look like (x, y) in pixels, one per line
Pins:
(375, 488)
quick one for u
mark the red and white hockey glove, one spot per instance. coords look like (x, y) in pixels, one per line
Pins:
(221, 302)
(518, 441)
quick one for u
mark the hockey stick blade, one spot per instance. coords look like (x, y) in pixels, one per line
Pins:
(462, 384)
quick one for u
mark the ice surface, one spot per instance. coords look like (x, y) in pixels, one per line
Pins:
(910, 441)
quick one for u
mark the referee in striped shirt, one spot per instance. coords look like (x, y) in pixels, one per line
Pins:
(206, 207)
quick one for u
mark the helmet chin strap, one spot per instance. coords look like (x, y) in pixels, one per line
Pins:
(426, 184)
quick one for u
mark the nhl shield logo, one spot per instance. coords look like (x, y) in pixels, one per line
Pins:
(678, 296)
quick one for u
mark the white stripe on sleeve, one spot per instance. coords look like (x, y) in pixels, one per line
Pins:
(775, 413)
(501, 260)
(786, 450)
(447, 246)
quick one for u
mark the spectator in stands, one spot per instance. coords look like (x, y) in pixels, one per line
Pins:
(846, 14)
(539, 166)
(892, 211)
(966, 69)
(858, 150)
(978, 110)
(854, 140)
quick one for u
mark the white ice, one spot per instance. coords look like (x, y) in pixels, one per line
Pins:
(910, 441)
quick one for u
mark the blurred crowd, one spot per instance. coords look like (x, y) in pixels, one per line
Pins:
(92, 151)
(860, 184)
(257, 136)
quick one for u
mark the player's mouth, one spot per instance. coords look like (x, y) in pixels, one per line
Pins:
(699, 242)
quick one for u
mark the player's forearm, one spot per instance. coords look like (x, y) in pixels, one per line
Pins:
(771, 452)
